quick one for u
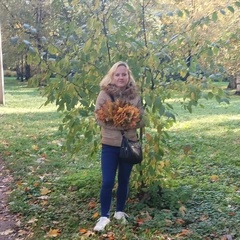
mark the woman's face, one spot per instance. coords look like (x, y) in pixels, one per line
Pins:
(121, 77)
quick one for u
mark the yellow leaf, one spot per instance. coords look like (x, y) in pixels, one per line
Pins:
(204, 218)
(35, 147)
(36, 184)
(33, 220)
(54, 233)
(45, 191)
(214, 178)
(44, 203)
(95, 215)
(148, 137)
(162, 164)
(182, 210)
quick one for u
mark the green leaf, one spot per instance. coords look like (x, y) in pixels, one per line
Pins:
(210, 52)
(170, 115)
(170, 14)
(130, 8)
(237, 4)
(52, 49)
(231, 9)
(225, 100)
(215, 50)
(148, 101)
(162, 110)
(158, 102)
(32, 50)
(210, 95)
(214, 16)
(87, 45)
(179, 13)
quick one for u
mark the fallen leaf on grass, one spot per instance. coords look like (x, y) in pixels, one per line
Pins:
(109, 236)
(7, 232)
(54, 233)
(92, 204)
(45, 191)
(7, 153)
(44, 155)
(95, 215)
(182, 210)
(44, 203)
(184, 233)
(82, 230)
(86, 233)
(43, 197)
(231, 214)
(168, 222)
(180, 221)
(187, 149)
(33, 220)
(143, 218)
(203, 218)
(36, 184)
(35, 147)
(214, 178)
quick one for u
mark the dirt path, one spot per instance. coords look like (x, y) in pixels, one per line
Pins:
(8, 222)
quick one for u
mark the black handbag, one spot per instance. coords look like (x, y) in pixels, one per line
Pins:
(130, 151)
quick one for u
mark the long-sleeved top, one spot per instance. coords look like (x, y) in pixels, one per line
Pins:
(111, 135)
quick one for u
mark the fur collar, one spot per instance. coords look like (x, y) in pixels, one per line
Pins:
(129, 92)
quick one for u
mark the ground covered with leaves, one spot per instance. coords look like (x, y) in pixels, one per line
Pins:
(57, 196)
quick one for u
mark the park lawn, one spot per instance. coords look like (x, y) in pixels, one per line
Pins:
(57, 196)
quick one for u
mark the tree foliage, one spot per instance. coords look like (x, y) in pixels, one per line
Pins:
(169, 45)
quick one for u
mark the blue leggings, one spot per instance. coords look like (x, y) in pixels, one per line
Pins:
(110, 163)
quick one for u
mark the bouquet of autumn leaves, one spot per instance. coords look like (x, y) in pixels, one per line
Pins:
(119, 114)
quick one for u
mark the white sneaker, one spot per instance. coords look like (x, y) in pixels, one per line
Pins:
(121, 216)
(101, 224)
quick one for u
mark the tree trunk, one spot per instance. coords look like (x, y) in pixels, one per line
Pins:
(232, 83)
(2, 96)
(238, 85)
(27, 69)
(22, 69)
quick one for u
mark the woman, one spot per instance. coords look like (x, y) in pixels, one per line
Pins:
(117, 84)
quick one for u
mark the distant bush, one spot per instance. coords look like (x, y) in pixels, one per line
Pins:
(10, 73)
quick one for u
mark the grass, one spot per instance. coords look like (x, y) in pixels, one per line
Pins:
(57, 195)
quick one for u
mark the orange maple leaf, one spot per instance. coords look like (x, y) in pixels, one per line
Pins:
(184, 233)
(45, 191)
(95, 215)
(54, 233)
(119, 113)
(92, 204)
(83, 230)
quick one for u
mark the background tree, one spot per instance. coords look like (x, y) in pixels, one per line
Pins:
(166, 43)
